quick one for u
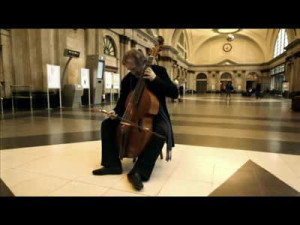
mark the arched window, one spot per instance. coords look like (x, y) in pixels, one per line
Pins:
(152, 32)
(226, 76)
(252, 76)
(109, 46)
(181, 46)
(201, 76)
(281, 42)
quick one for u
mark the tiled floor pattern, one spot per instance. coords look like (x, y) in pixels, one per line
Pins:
(65, 170)
(250, 143)
(253, 180)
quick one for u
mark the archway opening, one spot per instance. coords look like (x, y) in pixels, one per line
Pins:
(201, 83)
(225, 79)
(251, 81)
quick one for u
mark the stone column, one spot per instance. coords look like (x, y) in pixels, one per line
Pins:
(189, 80)
(91, 41)
(292, 72)
(295, 78)
(133, 43)
(192, 80)
(218, 80)
(172, 75)
(234, 79)
(214, 81)
(8, 77)
(293, 65)
(243, 76)
(175, 71)
(265, 80)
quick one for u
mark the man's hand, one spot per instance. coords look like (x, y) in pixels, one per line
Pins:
(149, 74)
(112, 114)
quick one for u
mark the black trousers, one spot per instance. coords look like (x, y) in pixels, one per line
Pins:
(146, 161)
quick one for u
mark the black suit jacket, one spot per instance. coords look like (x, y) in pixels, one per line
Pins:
(161, 86)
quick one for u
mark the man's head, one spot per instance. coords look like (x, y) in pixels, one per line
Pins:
(134, 60)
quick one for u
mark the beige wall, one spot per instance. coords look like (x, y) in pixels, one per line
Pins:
(244, 50)
(7, 61)
(32, 49)
(25, 53)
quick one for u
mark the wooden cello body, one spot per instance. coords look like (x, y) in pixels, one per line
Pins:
(140, 109)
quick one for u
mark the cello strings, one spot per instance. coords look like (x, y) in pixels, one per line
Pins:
(130, 123)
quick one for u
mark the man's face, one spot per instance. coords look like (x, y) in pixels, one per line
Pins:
(130, 64)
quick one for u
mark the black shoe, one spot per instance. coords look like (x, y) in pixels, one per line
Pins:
(136, 181)
(107, 171)
(144, 179)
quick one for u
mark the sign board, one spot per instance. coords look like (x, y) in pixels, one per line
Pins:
(85, 78)
(53, 76)
(213, 87)
(100, 69)
(108, 80)
(116, 81)
(71, 53)
(239, 87)
(285, 86)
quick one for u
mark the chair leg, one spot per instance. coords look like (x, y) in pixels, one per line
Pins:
(12, 104)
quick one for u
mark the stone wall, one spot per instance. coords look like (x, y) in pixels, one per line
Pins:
(25, 53)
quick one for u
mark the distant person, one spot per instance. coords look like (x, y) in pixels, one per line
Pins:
(176, 82)
(181, 89)
(257, 91)
(228, 90)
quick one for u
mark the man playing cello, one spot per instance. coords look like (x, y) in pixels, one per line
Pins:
(161, 86)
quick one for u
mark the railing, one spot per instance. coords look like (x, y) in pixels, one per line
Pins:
(14, 94)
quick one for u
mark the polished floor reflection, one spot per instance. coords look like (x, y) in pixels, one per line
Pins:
(218, 142)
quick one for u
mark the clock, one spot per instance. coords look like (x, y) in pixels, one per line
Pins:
(227, 47)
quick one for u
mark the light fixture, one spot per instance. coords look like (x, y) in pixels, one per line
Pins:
(230, 37)
(226, 31)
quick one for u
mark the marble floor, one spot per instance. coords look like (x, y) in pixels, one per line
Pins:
(241, 147)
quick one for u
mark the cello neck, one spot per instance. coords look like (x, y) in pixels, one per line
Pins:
(152, 55)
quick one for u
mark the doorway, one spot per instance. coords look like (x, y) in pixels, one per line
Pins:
(225, 79)
(250, 85)
(201, 85)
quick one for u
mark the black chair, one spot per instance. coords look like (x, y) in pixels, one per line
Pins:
(20, 92)
(295, 101)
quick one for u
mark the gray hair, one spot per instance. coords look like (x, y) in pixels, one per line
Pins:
(137, 55)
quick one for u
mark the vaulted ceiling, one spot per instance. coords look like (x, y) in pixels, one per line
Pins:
(205, 46)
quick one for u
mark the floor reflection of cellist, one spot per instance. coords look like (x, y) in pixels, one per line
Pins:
(161, 86)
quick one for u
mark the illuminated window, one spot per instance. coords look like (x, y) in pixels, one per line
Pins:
(109, 46)
(281, 43)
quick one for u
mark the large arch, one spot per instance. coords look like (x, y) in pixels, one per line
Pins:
(201, 76)
(210, 51)
(252, 78)
(175, 37)
(225, 78)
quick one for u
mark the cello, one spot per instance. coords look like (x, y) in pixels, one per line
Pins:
(136, 125)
